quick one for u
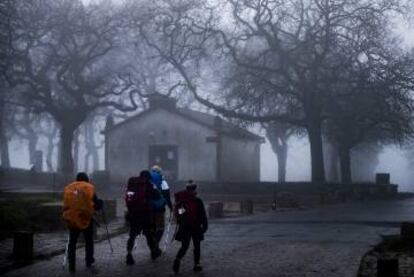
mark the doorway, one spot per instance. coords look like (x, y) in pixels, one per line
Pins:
(166, 156)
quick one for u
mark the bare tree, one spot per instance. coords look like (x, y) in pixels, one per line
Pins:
(371, 103)
(290, 45)
(278, 135)
(91, 146)
(50, 131)
(7, 12)
(65, 64)
(26, 125)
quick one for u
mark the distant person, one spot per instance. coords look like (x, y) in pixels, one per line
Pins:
(161, 199)
(140, 214)
(79, 205)
(192, 224)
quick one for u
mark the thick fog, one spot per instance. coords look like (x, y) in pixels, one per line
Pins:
(207, 75)
(392, 159)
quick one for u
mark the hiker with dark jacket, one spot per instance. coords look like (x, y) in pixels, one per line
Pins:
(79, 205)
(140, 214)
(192, 224)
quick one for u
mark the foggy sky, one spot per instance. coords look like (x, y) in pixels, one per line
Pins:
(391, 159)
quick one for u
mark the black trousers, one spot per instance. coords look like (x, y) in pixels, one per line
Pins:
(148, 232)
(185, 244)
(73, 239)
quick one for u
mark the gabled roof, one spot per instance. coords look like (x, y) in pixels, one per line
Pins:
(205, 119)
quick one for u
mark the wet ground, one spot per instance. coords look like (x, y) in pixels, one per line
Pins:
(328, 241)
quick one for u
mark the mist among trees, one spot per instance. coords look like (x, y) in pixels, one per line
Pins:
(333, 72)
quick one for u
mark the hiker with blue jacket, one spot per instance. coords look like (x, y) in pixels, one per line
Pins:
(160, 200)
(192, 224)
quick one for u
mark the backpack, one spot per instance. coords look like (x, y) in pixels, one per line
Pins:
(156, 178)
(78, 205)
(186, 209)
(158, 201)
(136, 196)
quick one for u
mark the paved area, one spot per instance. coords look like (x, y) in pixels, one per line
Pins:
(50, 244)
(328, 241)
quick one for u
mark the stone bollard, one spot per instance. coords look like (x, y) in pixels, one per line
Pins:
(407, 231)
(382, 178)
(246, 207)
(23, 246)
(215, 210)
(387, 268)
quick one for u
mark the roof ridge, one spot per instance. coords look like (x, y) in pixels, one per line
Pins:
(232, 129)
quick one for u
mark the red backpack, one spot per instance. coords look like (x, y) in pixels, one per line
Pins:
(186, 208)
(136, 196)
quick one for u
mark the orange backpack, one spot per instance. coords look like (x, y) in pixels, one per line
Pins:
(78, 205)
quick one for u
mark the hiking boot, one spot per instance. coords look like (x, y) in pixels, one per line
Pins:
(176, 266)
(155, 254)
(197, 268)
(89, 262)
(129, 260)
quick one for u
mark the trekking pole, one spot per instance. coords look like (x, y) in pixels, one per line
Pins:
(136, 243)
(167, 233)
(107, 231)
(65, 257)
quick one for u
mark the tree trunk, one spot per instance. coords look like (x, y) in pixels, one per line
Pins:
(345, 162)
(91, 147)
(50, 149)
(87, 155)
(66, 139)
(76, 152)
(95, 159)
(32, 147)
(281, 162)
(278, 135)
(316, 151)
(4, 143)
(49, 154)
(4, 149)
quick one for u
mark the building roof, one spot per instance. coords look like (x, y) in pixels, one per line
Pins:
(210, 121)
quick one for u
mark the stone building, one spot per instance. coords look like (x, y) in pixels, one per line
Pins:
(187, 144)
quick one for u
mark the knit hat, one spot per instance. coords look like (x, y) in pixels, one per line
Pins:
(191, 185)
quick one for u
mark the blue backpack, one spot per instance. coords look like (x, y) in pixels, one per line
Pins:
(158, 201)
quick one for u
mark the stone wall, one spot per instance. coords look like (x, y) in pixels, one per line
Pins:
(14, 178)
(303, 191)
(299, 192)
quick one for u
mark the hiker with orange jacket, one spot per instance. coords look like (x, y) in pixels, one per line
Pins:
(192, 224)
(79, 205)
